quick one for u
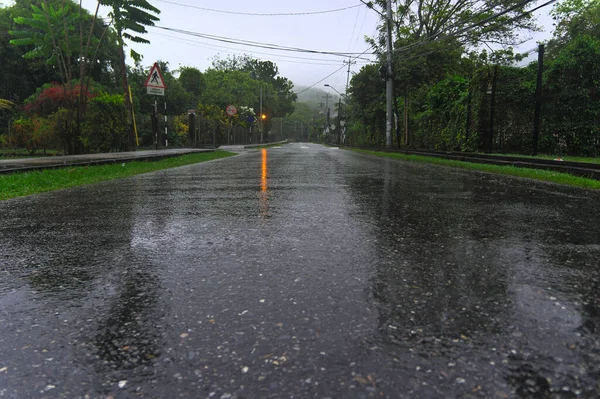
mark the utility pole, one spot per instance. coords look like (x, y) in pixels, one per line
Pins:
(339, 130)
(328, 113)
(390, 79)
(538, 101)
(349, 62)
(327, 95)
(490, 138)
(166, 128)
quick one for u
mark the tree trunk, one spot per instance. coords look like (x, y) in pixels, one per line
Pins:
(128, 105)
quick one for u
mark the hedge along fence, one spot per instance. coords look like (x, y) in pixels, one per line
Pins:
(497, 105)
(506, 94)
(210, 131)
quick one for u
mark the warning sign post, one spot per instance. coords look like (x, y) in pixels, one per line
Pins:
(155, 84)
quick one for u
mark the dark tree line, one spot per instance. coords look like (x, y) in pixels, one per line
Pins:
(443, 81)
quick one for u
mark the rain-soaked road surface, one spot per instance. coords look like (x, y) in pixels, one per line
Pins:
(302, 271)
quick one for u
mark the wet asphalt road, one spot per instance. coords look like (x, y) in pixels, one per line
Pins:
(302, 271)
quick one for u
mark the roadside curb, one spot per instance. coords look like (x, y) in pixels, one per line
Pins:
(35, 164)
(265, 144)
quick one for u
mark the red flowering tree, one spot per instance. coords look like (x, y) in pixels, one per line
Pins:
(52, 97)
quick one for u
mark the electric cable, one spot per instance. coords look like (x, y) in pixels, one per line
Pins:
(240, 51)
(281, 14)
(328, 76)
(249, 43)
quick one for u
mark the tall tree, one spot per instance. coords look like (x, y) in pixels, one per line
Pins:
(50, 33)
(130, 19)
(574, 18)
(192, 80)
(19, 77)
(268, 73)
(470, 22)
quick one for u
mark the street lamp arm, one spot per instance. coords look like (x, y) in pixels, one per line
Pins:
(334, 89)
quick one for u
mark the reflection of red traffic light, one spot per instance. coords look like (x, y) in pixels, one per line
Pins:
(263, 117)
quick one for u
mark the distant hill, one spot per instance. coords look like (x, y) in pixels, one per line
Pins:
(314, 96)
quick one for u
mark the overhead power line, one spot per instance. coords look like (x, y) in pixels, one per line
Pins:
(308, 60)
(370, 7)
(316, 83)
(269, 46)
(256, 14)
(331, 74)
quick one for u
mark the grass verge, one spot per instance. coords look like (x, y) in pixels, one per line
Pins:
(537, 174)
(27, 183)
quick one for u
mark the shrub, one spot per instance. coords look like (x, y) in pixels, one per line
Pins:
(34, 134)
(105, 127)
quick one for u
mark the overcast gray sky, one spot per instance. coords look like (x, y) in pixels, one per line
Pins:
(341, 31)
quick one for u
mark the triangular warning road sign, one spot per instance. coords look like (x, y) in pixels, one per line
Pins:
(155, 78)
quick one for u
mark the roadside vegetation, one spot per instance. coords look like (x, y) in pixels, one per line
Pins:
(28, 183)
(537, 174)
(65, 85)
(460, 86)
(458, 83)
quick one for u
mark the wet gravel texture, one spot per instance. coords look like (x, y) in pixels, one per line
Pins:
(302, 271)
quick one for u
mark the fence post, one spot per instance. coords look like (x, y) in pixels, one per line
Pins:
(191, 129)
(468, 127)
(538, 102)
(490, 138)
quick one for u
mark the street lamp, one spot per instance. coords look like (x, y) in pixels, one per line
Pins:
(331, 87)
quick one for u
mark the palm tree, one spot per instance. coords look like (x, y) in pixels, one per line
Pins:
(130, 18)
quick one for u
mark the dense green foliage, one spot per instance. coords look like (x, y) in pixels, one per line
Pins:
(104, 129)
(443, 88)
(65, 71)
